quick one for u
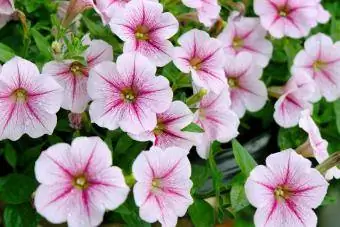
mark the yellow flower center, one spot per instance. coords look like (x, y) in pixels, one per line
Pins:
(142, 32)
(77, 69)
(196, 62)
(238, 43)
(318, 65)
(233, 82)
(282, 193)
(159, 129)
(129, 95)
(20, 95)
(80, 182)
(156, 183)
(283, 13)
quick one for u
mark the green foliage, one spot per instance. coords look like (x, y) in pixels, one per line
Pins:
(193, 128)
(16, 188)
(201, 213)
(244, 160)
(22, 215)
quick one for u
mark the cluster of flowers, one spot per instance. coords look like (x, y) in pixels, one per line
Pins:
(78, 182)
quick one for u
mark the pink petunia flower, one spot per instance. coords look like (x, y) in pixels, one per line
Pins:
(108, 8)
(144, 28)
(208, 10)
(6, 7)
(75, 7)
(168, 130)
(28, 101)
(285, 191)
(321, 61)
(317, 144)
(203, 57)
(78, 182)
(162, 190)
(247, 91)
(246, 34)
(288, 18)
(323, 15)
(73, 76)
(128, 94)
(217, 120)
(296, 97)
(6, 11)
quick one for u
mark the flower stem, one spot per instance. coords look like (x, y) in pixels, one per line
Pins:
(329, 163)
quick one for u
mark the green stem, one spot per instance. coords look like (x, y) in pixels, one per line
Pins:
(329, 163)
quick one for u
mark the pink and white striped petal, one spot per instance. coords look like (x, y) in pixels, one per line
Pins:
(78, 183)
(128, 95)
(144, 28)
(168, 130)
(246, 34)
(285, 191)
(203, 57)
(28, 101)
(162, 190)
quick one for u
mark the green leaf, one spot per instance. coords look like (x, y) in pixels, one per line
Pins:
(129, 213)
(10, 155)
(192, 128)
(329, 200)
(16, 188)
(199, 175)
(123, 144)
(201, 213)
(244, 160)
(95, 29)
(42, 44)
(22, 215)
(6, 53)
(291, 47)
(291, 138)
(337, 114)
(238, 197)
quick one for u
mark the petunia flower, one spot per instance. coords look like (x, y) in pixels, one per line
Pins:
(296, 97)
(73, 76)
(203, 57)
(246, 34)
(6, 11)
(108, 8)
(168, 132)
(78, 183)
(285, 191)
(323, 15)
(144, 28)
(316, 143)
(321, 61)
(128, 94)
(217, 120)
(75, 7)
(4, 18)
(6, 7)
(247, 91)
(162, 189)
(208, 11)
(288, 18)
(28, 101)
